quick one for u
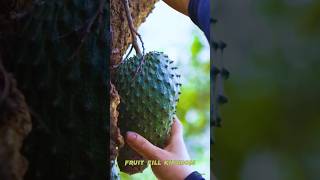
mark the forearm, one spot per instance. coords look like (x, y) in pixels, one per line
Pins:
(179, 5)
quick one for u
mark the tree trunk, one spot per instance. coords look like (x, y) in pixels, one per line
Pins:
(15, 120)
(58, 52)
(15, 125)
(120, 40)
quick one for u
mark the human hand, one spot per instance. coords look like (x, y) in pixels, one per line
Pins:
(175, 150)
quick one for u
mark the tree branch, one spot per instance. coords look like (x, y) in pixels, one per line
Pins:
(132, 29)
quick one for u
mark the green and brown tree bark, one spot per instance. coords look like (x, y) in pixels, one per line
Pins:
(15, 122)
(57, 51)
(120, 41)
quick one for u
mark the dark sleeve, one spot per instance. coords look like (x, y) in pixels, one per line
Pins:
(194, 176)
(199, 12)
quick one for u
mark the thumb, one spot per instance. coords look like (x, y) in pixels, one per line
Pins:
(176, 142)
(176, 134)
(177, 128)
(142, 146)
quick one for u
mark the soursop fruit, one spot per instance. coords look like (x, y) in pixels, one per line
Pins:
(149, 91)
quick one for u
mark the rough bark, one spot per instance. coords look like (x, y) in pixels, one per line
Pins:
(15, 120)
(121, 39)
(116, 138)
(15, 124)
(10, 12)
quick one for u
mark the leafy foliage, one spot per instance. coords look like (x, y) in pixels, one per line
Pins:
(271, 126)
(195, 102)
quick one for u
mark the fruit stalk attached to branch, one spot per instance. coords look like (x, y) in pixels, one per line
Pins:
(134, 37)
(132, 29)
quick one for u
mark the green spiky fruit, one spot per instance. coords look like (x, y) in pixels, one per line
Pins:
(149, 91)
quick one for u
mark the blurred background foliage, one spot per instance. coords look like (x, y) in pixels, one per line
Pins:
(271, 125)
(187, 46)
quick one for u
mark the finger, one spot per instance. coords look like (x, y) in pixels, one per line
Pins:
(143, 146)
(176, 136)
(176, 131)
(177, 128)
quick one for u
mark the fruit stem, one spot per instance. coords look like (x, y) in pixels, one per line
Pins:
(132, 29)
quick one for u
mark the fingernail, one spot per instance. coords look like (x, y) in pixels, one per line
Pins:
(131, 136)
